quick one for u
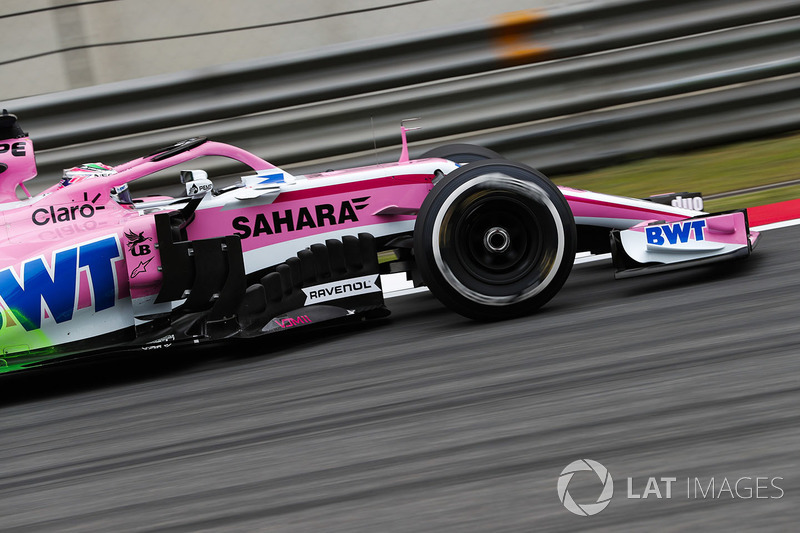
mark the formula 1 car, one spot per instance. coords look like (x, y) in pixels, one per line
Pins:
(85, 268)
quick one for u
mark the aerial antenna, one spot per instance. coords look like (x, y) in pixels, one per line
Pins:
(374, 139)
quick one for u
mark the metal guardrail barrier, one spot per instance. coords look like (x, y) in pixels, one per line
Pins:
(562, 91)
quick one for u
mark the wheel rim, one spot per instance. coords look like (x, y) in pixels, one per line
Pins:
(497, 239)
(533, 251)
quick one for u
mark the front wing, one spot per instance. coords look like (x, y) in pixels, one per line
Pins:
(656, 246)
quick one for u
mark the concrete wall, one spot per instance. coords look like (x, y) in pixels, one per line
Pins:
(83, 36)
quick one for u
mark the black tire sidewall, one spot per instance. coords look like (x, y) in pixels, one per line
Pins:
(461, 153)
(450, 287)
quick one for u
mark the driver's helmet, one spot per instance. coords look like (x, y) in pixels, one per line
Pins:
(84, 171)
(122, 194)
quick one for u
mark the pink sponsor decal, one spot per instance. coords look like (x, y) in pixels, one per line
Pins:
(727, 229)
(313, 211)
(290, 322)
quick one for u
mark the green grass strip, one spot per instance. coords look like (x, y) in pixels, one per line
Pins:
(710, 171)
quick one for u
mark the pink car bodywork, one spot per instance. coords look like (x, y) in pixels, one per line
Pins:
(77, 264)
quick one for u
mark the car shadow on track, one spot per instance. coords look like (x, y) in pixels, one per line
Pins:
(100, 372)
(699, 275)
(94, 373)
(412, 312)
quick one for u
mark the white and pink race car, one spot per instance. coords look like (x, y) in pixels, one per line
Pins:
(85, 268)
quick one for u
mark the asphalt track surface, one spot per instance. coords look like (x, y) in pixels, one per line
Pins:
(430, 422)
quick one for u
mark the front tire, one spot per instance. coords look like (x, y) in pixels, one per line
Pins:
(494, 240)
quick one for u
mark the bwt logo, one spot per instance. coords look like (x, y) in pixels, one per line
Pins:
(586, 509)
(674, 233)
(55, 285)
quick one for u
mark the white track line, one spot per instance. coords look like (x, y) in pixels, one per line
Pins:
(777, 225)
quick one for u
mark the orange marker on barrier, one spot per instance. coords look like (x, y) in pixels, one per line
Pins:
(513, 36)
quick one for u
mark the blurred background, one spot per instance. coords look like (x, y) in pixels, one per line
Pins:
(55, 45)
(568, 87)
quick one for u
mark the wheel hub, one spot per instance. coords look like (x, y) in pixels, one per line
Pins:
(497, 240)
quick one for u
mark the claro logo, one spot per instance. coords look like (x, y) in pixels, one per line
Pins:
(290, 220)
(54, 215)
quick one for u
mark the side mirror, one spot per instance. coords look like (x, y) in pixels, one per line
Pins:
(196, 182)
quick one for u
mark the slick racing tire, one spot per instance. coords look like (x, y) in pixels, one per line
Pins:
(494, 240)
(461, 153)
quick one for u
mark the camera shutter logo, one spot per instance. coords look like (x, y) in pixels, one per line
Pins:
(587, 509)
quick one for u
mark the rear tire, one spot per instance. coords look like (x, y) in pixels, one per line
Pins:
(494, 240)
(461, 153)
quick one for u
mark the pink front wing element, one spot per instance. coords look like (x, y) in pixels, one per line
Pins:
(729, 228)
(709, 238)
(619, 212)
